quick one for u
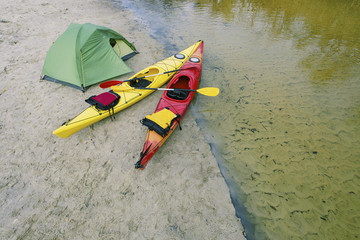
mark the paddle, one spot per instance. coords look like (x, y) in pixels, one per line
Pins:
(116, 82)
(207, 91)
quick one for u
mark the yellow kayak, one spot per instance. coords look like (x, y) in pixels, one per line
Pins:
(156, 79)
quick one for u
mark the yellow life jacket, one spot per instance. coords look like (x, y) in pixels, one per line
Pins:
(160, 121)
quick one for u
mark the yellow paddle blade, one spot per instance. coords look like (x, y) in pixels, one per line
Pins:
(209, 91)
(121, 88)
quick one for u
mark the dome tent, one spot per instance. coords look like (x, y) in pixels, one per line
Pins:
(86, 54)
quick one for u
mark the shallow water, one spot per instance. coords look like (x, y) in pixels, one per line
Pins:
(286, 126)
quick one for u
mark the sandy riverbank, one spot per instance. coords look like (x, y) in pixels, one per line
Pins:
(85, 186)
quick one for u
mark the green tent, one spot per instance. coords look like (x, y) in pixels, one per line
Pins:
(86, 54)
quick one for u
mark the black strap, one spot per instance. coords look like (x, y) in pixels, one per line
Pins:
(178, 116)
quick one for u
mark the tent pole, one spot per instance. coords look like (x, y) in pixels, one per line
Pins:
(82, 72)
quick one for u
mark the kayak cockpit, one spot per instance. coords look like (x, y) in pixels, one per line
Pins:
(181, 83)
(144, 79)
(140, 83)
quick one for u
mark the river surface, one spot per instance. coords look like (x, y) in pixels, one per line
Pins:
(286, 127)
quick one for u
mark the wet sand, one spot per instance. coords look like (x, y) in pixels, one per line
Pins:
(85, 186)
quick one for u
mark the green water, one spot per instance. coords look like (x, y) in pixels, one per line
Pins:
(286, 125)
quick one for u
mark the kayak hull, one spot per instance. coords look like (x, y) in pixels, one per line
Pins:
(92, 114)
(188, 78)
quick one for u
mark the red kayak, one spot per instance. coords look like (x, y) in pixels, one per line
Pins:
(172, 106)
